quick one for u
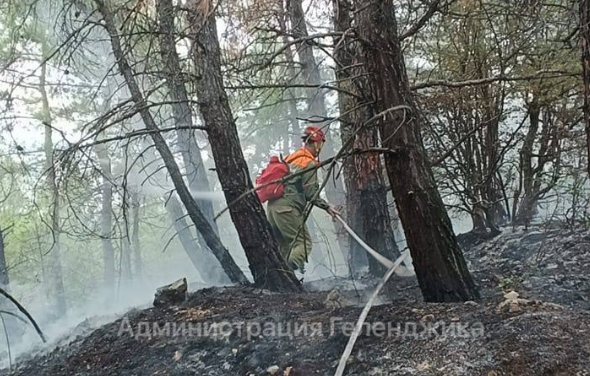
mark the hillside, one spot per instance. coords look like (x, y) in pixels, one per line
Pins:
(541, 328)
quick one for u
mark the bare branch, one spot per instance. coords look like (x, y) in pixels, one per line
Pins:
(422, 21)
(24, 312)
(545, 74)
(296, 41)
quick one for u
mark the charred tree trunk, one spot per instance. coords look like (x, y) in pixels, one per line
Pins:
(55, 274)
(106, 221)
(213, 241)
(584, 9)
(266, 264)
(440, 267)
(366, 200)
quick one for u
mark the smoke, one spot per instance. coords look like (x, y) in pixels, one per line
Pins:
(99, 308)
(215, 196)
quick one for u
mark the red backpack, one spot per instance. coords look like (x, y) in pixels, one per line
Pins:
(276, 170)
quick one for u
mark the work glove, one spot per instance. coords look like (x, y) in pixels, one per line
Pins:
(333, 211)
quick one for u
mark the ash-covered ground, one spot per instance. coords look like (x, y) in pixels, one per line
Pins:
(533, 319)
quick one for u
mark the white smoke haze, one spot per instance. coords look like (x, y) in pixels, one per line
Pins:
(89, 102)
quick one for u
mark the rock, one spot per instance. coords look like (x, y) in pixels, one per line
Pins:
(427, 318)
(335, 300)
(171, 294)
(471, 303)
(177, 356)
(512, 295)
(272, 370)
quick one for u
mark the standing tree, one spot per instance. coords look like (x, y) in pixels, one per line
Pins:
(54, 270)
(3, 268)
(367, 208)
(440, 267)
(106, 216)
(191, 154)
(231, 268)
(266, 264)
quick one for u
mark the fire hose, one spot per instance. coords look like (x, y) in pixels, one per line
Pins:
(399, 271)
(392, 268)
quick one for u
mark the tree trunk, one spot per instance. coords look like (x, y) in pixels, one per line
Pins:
(191, 154)
(135, 243)
(367, 209)
(125, 274)
(584, 8)
(267, 266)
(106, 221)
(182, 112)
(290, 78)
(525, 212)
(222, 254)
(440, 267)
(316, 106)
(204, 262)
(3, 269)
(56, 285)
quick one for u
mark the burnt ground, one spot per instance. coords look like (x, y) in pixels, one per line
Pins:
(542, 329)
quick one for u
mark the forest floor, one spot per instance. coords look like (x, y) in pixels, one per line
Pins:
(545, 330)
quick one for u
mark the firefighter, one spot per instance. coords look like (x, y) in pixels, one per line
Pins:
(286, 214)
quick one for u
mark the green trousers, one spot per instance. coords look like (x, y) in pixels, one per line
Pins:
(288, 226)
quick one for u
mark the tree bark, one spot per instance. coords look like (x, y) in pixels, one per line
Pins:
(266, 264)
(212, 240)
(440, 267)
(106, 221)
(584, 9)
(366, 199)
(55, 275)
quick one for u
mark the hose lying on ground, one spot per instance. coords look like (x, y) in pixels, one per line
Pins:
(365, 312)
